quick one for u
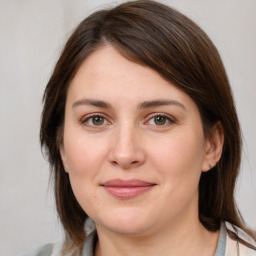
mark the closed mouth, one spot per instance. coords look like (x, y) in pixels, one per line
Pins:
(125, 189)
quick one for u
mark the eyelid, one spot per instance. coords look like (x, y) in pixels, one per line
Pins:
(168, 117)
(92, 115)
(85, 118)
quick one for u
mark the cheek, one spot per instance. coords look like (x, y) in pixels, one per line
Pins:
(83, 155)
(179, 161)
(84, 158)
(184, 152)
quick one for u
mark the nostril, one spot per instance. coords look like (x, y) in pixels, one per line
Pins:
(125, 165)
(126, 157)
(114, 162)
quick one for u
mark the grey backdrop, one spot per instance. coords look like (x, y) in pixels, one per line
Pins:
(32, 34)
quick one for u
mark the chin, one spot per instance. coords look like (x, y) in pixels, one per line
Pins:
(125, 222)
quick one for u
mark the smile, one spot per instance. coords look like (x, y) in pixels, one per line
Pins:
(126, 189)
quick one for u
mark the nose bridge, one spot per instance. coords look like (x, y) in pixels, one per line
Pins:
(126, 150)
(126, 135)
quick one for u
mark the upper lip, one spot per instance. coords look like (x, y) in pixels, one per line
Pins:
(126, 183)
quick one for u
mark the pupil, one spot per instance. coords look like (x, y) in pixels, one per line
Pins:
(159, 120)
(98, 120)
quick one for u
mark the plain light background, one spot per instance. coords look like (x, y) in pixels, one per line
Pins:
(32, 33)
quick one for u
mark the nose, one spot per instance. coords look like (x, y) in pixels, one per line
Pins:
(127, 151)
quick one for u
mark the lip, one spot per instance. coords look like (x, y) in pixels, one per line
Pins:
(126, 189)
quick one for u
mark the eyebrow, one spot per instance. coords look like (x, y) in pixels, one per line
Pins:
(160, 102)
(96, 103)
(143, 105)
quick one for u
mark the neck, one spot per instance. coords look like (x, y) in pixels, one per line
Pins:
(191, 238)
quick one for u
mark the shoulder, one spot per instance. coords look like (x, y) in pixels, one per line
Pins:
(49, 249)
(45, 250)
(59, 248)
(234, 246)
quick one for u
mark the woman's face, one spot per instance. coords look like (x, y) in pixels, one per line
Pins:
(133, 147)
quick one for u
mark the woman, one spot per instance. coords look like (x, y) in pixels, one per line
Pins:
(142, 135)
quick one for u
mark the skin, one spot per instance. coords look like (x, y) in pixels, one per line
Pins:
(162, 144)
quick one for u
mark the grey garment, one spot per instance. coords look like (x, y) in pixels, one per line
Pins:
(221, 247)
(45, 250)
(89, 244)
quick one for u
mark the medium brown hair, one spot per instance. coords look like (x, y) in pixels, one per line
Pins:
(157, 36)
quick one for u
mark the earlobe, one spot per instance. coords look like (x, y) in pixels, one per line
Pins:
(63, 158)
(214, 146)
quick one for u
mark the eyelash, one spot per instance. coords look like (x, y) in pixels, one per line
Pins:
(168, 119)
(86, 119)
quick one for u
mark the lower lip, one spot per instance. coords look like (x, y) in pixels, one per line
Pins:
(127, 192)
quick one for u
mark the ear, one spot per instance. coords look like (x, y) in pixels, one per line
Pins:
(63, 158)
(213, 148)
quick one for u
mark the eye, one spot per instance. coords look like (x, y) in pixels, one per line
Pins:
(95, 120)
(160, 120)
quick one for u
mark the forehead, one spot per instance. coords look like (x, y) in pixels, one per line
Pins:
(107, 75)
(107, 63)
